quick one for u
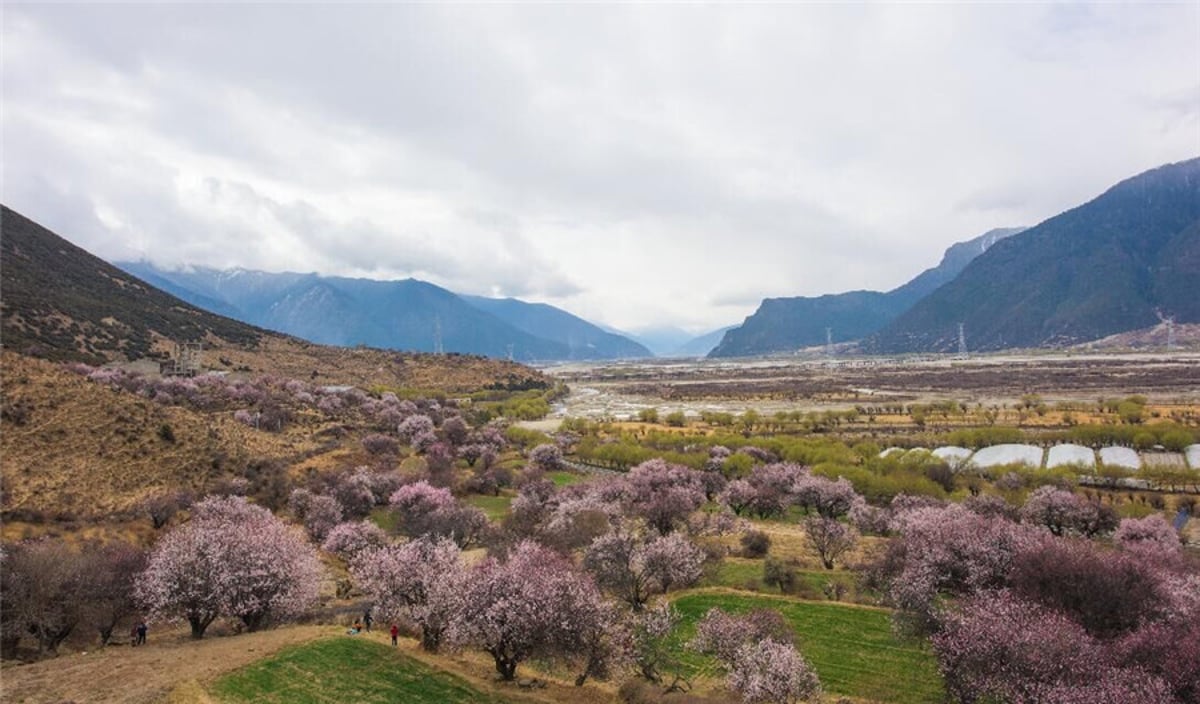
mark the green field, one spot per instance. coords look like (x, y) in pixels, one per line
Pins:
(852, 648)
(495, 507)
(343, 670)
(565, 478)
(740, 572)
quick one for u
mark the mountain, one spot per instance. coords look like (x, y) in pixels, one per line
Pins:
(1120, 262)
(583, 339)
(61, 303)
(784, 324)
(701, 345)
(407, 314)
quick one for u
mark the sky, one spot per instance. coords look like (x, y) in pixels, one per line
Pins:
(640, 165)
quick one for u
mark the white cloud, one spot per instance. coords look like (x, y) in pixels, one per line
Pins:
(639, 165)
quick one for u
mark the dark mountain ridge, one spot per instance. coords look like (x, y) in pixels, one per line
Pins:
(62, 303)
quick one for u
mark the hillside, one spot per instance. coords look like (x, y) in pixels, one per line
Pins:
(1119, 263)
(60, 302)
(401, 315)
(82, 450)
(783, 324)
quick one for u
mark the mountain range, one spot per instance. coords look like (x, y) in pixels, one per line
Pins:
(786, 324)
(406, 314)
(1124, 261)
(62, 303)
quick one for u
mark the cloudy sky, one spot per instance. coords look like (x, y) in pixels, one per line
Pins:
(639, 165)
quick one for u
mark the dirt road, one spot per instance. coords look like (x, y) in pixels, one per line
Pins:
(170, 668)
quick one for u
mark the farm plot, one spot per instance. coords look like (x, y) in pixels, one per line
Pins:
(343, 670)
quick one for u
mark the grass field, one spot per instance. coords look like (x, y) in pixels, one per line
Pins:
(852, 648)
(565, 478)
(495, 507)
(740, 572)
(343, 670)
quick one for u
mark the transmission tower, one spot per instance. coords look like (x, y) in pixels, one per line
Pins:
(962, 340)
(1170, 333)
(437, 335)
(829, 342)
(510, 351)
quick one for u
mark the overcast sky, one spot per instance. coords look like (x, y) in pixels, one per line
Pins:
(638, 165)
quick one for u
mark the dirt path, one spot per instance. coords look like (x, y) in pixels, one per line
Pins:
(171, 661)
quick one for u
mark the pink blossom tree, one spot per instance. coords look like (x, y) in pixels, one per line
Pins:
(1107, 593)
(231, 557)
(830, 498)
(546, 458)
(1151, 536)
(946, 550)
(526, 606)
(633, 568)
(1001, 648)
(829, 538)
(770, 672)
(663, 494)
(421, 580)
(321, 515)
(352, 538)
(722, 634)
(423, 509)
(414, 426)
(1063, 511)
(740, 496)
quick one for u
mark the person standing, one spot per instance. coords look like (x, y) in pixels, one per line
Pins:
(395, 633)
(141, 633)
(367, 620)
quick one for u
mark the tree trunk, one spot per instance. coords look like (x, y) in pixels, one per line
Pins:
(198, 624)
(253, 621)
(506, 667)
(431, 640)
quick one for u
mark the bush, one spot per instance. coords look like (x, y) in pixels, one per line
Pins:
(777, 573)
(755, 543)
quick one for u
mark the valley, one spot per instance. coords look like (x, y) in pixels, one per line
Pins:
(619, 391)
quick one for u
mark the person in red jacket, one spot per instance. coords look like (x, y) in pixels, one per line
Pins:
(395, 633)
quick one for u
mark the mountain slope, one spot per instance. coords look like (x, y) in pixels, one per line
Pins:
(583, 339)
(1117, 263)
(62, 303)
(782, 324)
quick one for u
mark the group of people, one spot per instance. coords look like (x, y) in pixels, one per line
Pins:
(365, 624)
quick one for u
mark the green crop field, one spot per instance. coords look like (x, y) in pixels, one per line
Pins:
(343, 670)
(852, 648)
